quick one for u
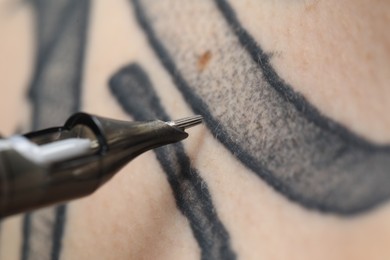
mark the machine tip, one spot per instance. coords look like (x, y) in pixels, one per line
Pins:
(187, 122)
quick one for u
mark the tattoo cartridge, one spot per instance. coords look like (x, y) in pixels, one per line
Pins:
(63, 163)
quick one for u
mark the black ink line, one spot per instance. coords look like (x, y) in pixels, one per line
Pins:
(58, 231)
(55, 92)
(26, 235)
(334, 159)
(134, 91)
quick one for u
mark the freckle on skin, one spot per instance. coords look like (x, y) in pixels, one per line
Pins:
(203, 60)
(311, 6)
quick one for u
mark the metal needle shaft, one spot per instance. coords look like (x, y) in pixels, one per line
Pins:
(187, 122)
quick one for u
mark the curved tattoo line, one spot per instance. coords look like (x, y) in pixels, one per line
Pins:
(136, 95)
(348, 147)
(285, 90)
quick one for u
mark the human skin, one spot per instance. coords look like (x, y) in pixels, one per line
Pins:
(335, 54)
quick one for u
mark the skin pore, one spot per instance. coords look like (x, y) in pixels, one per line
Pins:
(289, 139)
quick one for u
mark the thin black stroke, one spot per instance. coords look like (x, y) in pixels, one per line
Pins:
(58, 231)
(55, 91)
(134, 91)
(26, 233)
(345, 152)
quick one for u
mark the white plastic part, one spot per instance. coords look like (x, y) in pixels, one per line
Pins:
(47, 153)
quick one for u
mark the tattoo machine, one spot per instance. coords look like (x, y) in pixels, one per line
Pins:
(58, 164)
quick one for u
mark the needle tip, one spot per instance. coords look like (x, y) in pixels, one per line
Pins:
(187, 122)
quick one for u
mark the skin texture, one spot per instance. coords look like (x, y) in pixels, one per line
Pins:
(335, 55)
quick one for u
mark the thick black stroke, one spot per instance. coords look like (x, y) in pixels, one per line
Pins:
(262, 59)
(55, 92)
(134, 91)
(321, 165)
